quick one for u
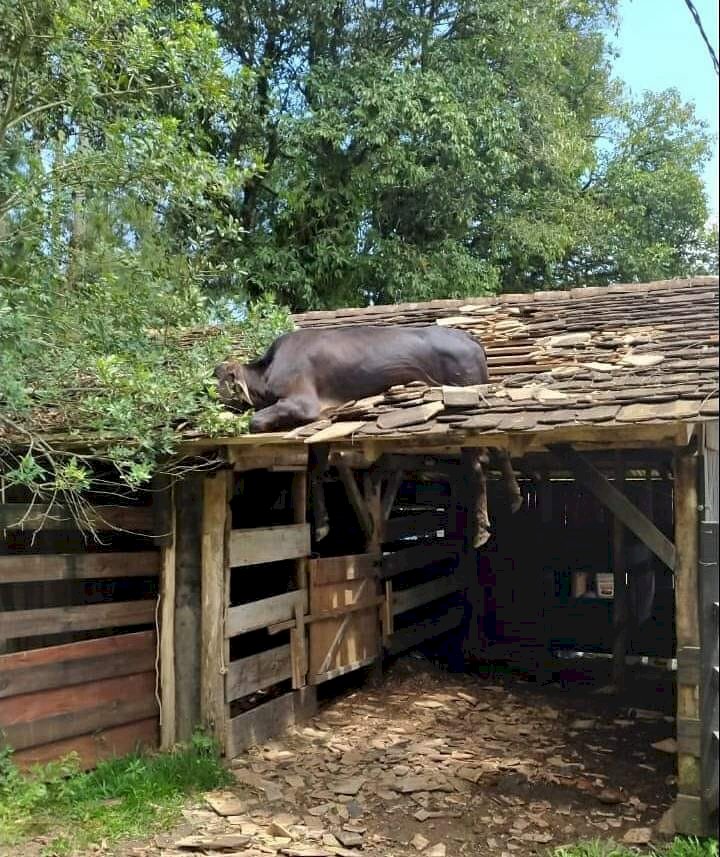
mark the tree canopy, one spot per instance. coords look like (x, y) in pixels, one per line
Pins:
(164, 165)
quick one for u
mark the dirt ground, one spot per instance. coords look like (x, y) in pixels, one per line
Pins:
(436, 763)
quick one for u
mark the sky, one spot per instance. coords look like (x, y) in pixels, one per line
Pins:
(660, 46)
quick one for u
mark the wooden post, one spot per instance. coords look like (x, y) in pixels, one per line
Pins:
(298, 635)
(620, 588)
(688, 813)
(167, 622)
(188, 505)
(466, 524)
(215, 572)
(372, 489)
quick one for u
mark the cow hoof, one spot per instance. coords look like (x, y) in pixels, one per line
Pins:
(321, 532)
(481, 539)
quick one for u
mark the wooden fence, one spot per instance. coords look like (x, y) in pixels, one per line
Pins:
(77, 628)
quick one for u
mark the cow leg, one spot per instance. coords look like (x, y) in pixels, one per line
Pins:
(482, 521)
(285, 414)
(318, 461)
(511, 483)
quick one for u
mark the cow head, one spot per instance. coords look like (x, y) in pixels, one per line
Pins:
(232, 384)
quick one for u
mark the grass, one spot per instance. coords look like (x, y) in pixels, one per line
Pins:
(122, 798)
(680, 847)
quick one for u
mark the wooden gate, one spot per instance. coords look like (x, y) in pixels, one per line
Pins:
(344, 615)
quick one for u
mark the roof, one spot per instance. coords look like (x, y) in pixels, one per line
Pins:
(601, 356)
(634, 354)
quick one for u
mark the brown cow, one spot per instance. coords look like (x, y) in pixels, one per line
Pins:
(308, 372)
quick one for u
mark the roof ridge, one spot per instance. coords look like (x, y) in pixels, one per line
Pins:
(509, 298)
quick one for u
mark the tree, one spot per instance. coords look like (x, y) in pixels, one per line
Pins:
(113, 209)
(411, 149)
(645, 198)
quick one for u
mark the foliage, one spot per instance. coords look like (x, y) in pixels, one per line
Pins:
(131, 796)
(161, 164)
(410, 150)
(680, 847)
(113, 210)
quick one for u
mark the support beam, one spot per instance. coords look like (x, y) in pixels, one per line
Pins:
(591, 478)
(215, 570)
(393, 486)
(620, 588)
(687, 631)
(355, 498)
(188, 503)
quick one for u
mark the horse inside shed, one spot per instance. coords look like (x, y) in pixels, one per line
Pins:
(606, 402)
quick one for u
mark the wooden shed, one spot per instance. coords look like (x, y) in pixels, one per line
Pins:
(605, 399)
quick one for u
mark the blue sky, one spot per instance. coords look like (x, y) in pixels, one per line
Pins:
(660, 46)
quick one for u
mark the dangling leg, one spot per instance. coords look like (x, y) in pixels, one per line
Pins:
(511, 483)
(482, 521)
(318, 461)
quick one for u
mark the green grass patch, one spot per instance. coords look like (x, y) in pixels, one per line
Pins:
(680, 847)
(122, 798)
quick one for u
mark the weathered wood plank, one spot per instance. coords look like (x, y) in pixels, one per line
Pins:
(270, 719)
(283, 459)
(91, 749)
(424, 523)
(688, 736)
(76, 663)
(688, 815)
(26, 568)
(261, 614)
(335, 432)
(59, 620)
(619, 505)
(419, 556)
(407, 638)
(269, 544)
(102, 518)
(248, 675)
(40, 718)
(168, 729)
(212, 659)
(338, 569)
(348, 668)
(688, 665)
(21, 736)
(408, 599)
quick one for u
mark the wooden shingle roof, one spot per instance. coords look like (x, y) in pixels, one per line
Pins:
(624, 354)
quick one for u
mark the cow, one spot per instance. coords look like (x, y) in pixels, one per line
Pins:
(307, 373)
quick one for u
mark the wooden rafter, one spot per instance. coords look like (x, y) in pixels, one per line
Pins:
(626, 511)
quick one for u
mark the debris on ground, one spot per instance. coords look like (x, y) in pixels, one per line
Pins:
(440, 765)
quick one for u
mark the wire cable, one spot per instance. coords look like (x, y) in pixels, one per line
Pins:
(696, 16)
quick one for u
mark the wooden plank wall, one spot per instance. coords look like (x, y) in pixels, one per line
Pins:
(422, 569)
(263, 653)
(77, 632)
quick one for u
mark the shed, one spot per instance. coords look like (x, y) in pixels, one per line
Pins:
(605, 399)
